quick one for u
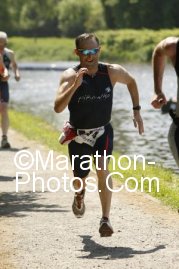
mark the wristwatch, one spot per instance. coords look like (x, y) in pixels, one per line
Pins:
(137, 107)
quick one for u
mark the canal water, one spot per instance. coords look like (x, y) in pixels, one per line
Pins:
(36, 91)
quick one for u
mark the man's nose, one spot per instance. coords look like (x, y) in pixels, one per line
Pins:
(89, 55)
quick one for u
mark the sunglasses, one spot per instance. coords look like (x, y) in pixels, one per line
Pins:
(88, 52)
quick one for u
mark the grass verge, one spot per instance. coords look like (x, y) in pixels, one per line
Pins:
(37, 129)
(124, 45)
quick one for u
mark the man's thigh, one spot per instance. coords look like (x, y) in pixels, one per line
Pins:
(77, 153)
(105, 142)
(4, 92)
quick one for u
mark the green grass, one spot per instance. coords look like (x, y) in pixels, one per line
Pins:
(37, 129)
(125, 45)
(42, 49)
(168, 181)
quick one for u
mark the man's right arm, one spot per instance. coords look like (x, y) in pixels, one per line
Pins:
(4, 75)
(69, 83)
(165, 49)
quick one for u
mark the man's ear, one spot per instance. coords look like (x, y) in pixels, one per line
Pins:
(76, 52)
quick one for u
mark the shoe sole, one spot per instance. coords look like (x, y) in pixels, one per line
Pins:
(77, 213)
(105, 230)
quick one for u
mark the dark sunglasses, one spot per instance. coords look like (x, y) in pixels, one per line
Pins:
(88, 52)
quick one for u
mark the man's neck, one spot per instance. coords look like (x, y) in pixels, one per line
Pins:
(92, 70)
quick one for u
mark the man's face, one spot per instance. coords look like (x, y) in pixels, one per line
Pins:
(2, 44)
(88, 53)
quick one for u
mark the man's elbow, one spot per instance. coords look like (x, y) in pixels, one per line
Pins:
(132, 82)
(58, 108)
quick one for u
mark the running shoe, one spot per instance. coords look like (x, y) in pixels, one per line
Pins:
(78, 205)
(4, 142)
(105, 228)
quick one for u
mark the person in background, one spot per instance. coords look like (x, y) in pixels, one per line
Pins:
(87, 90)
(7, 59)
(167, 48)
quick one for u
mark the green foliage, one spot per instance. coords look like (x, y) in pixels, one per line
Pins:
(71, 17)
(141, 13)
(95, 20)
(37, 16)
(42, 49)
(127, 45)
(4, 17)
(76, 17)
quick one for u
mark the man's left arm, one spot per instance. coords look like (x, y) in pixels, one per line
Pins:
(137, 119)
(121, 75)
(14, 65)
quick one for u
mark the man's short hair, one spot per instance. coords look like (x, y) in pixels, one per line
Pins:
(3, 35)
(83, 37)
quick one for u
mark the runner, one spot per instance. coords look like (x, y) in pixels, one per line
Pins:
(167, 48)
(87, 90)
(8, 58)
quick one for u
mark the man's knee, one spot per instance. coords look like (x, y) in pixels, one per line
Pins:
(3, 108)
(102, 165)
(79, 183)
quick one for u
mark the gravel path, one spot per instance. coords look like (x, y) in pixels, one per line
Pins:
(38, 230)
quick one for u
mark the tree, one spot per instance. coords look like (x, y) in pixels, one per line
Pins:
(5, 19)
(76, 17)
(39, 17)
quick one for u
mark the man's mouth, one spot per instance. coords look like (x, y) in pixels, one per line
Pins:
(90, 60)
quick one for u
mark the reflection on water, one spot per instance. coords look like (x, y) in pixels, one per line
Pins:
(36, 92)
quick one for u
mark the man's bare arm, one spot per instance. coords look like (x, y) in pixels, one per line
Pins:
(14, 65)
(121, 75)
(165, 49)
(69, 83)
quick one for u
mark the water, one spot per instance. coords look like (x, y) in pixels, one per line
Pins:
(36, 91)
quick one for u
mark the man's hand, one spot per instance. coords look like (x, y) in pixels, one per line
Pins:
(17, 77)
(5, 75)
(79, 76)
(138, 122)
(159, 100)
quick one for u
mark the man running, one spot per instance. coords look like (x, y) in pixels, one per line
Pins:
(87, 90)
(8, 58)
(167, 48)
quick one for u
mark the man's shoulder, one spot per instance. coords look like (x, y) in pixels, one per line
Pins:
(69, 71)
(171, 39)
(112, 68)
(167, 47)
(8, 52)
(68, 74)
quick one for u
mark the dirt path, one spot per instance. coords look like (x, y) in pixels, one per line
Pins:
(38, 230)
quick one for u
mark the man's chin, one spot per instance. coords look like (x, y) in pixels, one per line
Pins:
(92, 63)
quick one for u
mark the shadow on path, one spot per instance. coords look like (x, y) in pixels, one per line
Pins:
(7, 178)
(13, 149)
(18, 204)
(97, 251)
